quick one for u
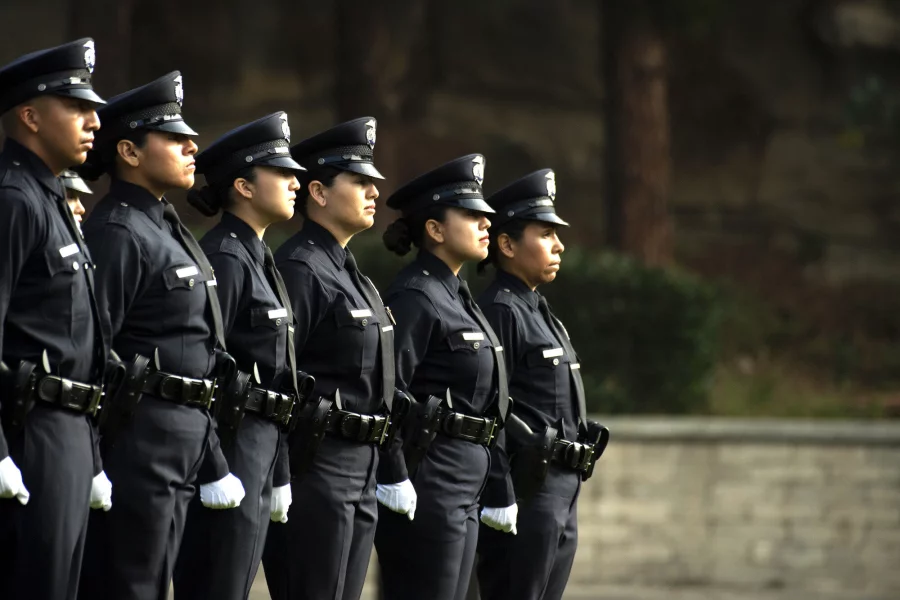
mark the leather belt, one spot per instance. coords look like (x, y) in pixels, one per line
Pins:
(572, 455)
(197, 393)
(364, 429)
(270, 405)
(80, 397)
(478, 430)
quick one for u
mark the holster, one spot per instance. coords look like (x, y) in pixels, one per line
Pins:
(18, 394)
(230, 403)
(422, 434)
(310, 429)
(597, 436)
(400, 410)
(122, 398)
(306, 383)
(530, 462)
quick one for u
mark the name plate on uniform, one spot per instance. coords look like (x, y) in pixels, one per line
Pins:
(387, 328)
(553, 352)
(575, 366)
(474, 336)
(278, 313)
(212, 283)
(68, 250)
(362, 313)
(186, 272)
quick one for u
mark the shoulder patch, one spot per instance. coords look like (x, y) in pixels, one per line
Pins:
(504, 297)
(119, 214)
(230, 245)
(301, 254)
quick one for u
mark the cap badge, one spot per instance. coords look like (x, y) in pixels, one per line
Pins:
(179, 90)
(285, 128)
(551, 185)
(478, 169)
(90, 55)
(370, 133)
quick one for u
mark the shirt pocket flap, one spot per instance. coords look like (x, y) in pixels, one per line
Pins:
(66, 259)
(471, 341)
(268, 317)
(183, 277)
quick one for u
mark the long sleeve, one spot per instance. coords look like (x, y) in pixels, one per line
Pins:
(498, 491)
(417, 324)
(231, 287)
(309, 301)
(20, 235)
(282, 473)
(118, 274)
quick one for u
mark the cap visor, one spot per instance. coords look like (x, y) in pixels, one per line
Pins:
(281, 162)
(547, 217)
(82, 94)
(173, 127)
(472, 204)
(77, 185)
(363, 168)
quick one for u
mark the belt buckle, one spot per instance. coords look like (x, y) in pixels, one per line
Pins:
(384, 432)
(490, 428)
(96, 396)
(283, 409)
(271, 407)
(207, 387)
(366, 423)
(453, 424)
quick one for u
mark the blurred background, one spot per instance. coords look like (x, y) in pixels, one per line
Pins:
(732, 275)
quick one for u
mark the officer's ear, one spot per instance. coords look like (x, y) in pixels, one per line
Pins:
(506, 245)
(317, 192)
(28, 116)
(435, 230)
(128, 152)
(243, 187)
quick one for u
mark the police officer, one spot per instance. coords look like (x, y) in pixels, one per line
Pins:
(449, 360)
(343, 339)
(51, 337)
(75, 187)
(546, 383)
(159, 291)
(251, 177)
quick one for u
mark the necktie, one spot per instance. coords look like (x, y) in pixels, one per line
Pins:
(560, 333)
(368, 291)
(187, 241)
(276, 280)
(499, 361)
(99, 340)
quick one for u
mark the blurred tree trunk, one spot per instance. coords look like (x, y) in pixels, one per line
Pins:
(638, 158)
(111, 25)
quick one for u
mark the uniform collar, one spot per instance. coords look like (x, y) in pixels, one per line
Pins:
(239, 228)
(37, 167)
(513, 284)
(321, 237)
(435, 267)
(140, 198)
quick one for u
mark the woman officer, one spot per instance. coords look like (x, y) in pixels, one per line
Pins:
(446, 352)
(343, 339)
(222, 549)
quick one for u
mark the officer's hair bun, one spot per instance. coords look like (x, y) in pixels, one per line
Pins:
(397, 237)
(205, 199)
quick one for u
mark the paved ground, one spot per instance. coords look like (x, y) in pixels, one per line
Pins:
(612, 592)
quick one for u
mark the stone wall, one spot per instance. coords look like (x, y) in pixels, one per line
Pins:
(765, 505)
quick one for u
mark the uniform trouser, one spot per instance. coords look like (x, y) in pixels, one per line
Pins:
(433, 555)
(131, 549)
(41, 543)
(534, 564)
(322, 552)
(222, 549)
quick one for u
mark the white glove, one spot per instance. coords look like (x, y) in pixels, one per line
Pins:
(281, 502)
(224, 493)
(101, 492)
(11, 482)
(501, 519)
(399, 497)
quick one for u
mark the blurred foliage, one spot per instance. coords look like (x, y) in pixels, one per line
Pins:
(871, 113)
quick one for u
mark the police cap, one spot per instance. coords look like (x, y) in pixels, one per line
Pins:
(457, 183)
(530, 197)
(349, 146)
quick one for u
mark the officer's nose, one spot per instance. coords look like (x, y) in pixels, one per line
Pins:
(558, 246)
(190, 147)
(373, 193)
(484, 223)
(92, 122)
(294, 185)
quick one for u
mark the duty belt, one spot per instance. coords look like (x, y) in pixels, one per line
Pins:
(197, 393)
(80, 397)
(478, 430)
(364, 429)
(270, 405)
(572, 455)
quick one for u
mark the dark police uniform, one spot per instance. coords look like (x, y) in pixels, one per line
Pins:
(534, 564)
(441, 345)
(46, 303)
(160, 297)
(344, 339)
(222, 549)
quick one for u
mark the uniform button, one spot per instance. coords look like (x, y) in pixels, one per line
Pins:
(75, 266)
(505, 289)
(234, 235)
(278, 321)
(310, 242)
(123, 203)
(425, 273)
(365, 322)
(555, 361)
(476, 345)
(191, 282)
